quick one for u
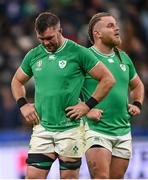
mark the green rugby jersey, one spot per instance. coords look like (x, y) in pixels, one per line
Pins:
(59, 77)
(115, 119)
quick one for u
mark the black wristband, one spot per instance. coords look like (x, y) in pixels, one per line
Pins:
(21, 102)
(91, 102)
(138, 104)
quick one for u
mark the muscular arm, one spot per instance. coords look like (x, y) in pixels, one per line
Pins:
(17, 84)
(137, 94)
(137, 90)
(105, 78)
(105, 83)
(18, 91)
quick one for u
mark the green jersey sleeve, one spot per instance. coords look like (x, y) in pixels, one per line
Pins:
(132, 70)
(87, 59)
(26, 64)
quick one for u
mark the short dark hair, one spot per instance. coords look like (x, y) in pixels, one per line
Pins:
(97, 17)
(45, 20)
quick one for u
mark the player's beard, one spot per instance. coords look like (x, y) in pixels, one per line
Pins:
(112, 42)
(117, 41)
(51, 47)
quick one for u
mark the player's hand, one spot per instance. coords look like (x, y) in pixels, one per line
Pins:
(29, 113)
(95, 114)
(133, 110)
(77, 111)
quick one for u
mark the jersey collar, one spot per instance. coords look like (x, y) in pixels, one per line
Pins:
(102, 54)
(59, 49)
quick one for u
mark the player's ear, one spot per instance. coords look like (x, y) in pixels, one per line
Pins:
(96, 34)
(61, 30)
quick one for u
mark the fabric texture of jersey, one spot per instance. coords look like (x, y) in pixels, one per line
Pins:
(59, 77)
(115, 119)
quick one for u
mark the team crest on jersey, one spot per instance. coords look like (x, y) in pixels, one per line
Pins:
(62, 64)
(123, 67)
(38, 65)
(75, 149)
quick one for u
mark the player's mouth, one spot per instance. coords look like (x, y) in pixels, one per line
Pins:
(51, 48)
(117, 34)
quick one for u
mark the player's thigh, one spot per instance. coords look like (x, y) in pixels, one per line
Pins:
(98, 160)
(118, 167)
(38, 165)
(69, 167)
(98, 153)
(121, 154)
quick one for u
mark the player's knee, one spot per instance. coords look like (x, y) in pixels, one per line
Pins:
(103, 176)
(69, 170)
(69, 165)
(117, 175)
(96, 174)
(35, 173)
(40, 161)
(99, 176)
(114, 174)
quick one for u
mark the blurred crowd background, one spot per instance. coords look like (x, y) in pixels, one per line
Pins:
(17, 37)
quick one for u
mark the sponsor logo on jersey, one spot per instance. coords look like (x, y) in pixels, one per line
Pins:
(51, 57)
(39, 65)
(110, 60)
(62, 64)
(123, 67)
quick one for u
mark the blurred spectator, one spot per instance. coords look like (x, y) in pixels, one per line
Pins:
(9, 114)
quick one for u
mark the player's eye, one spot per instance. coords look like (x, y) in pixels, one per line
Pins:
(110, 25)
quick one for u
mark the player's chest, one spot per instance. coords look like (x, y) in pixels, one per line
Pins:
(55, 65)
(120, 70)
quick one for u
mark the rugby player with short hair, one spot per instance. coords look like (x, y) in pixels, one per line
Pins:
(58, 66)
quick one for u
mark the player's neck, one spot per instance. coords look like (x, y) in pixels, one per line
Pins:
(62, 40)
(103, 49)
